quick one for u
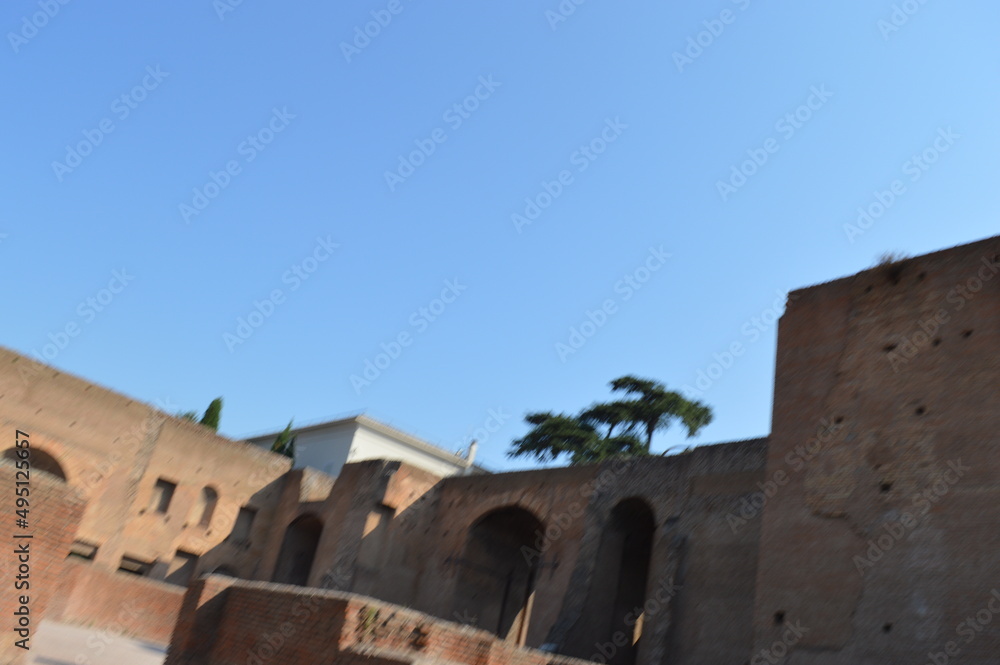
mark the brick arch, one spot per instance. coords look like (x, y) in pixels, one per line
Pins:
(298, 550)
(40, 460)
(495, 585)
(612, 608)
(639, 501)
(535, 507)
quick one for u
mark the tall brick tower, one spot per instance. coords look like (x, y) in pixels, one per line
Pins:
(884, 539)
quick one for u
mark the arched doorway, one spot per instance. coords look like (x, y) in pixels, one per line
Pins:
(40, 461)
(298, 550)
(496, 577)
(618, 593)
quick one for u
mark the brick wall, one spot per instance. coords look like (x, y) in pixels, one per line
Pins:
(882, 550)
(113, 450)
(54, 517)
(118, 603)
(230, 622)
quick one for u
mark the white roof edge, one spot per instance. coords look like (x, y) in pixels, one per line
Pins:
(411, 440)
(381, 428)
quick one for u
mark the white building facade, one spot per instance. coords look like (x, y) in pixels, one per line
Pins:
(330, 445)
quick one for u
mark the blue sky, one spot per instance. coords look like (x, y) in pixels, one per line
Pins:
(183, 163)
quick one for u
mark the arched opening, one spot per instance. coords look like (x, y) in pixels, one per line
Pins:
(496, 580)
(40, 461)
(298, 550)
(618, 594)
(205, 508)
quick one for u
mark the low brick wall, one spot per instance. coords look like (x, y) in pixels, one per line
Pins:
(118, 603)
(234, 622)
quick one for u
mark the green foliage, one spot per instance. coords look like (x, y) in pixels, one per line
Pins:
(189, 415)
(213, 414)
(284, 444)
(620, 428)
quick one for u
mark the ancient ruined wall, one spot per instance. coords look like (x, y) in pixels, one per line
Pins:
(53, 517)
(390, 563)
(368, 518)
(194, 458)
(398, 534)
(883, 540)
(230, 622)
(696, 603)
(113, 450)
(557, 498)
(115, 604)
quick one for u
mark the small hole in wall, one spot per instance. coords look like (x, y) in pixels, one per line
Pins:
(779, 617)
(920, 411)
(966, 334)
(838, 420)
(889, 348)
(887, 628)
(868, 289)
(884, 487)
(921, 276)
(936, 342)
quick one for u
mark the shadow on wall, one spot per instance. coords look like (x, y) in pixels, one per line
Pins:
(496, 582)
(40, 461)
(298, 550)
(618, 586)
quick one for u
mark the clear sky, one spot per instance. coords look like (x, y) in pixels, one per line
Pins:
(180, 163)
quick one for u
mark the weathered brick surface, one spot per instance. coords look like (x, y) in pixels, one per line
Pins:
(118, 603)
(54, 517)
(113, 449)
(891, 398)
(255, 623)
(702, 564)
